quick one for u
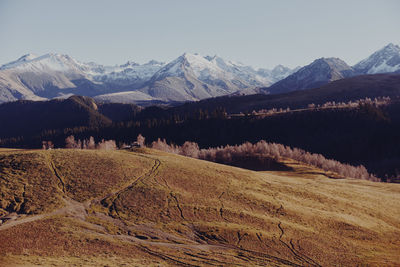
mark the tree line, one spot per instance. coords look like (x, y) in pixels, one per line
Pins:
(229, 154)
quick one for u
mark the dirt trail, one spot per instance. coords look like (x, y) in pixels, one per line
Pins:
(299, 256)
(196, 253)
(72, 208)
(109, 200)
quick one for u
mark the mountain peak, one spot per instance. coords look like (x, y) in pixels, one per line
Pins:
(391, 46)
(154, 62)
(192, 56)
(280, 68)
(25, 58)
(384, 60)
(329, 60)
(319, 72)
(129, 63)
(332, 63)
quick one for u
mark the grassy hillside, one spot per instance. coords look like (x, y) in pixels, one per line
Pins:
(70, 207)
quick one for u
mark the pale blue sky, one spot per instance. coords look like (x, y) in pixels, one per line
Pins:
(261, 33)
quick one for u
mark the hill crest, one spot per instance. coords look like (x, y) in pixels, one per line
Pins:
(167, 209)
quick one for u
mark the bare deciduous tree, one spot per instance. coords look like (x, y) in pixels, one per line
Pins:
(228, 154)
(140, 140)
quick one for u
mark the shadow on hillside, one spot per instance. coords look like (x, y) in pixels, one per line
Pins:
(258, 164)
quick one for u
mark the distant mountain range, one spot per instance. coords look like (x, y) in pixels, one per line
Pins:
(190, 77)
(187, 78)
(325, 70)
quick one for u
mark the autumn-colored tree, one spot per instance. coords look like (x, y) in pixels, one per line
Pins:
(140, 140)
(107, 145)
(229, 154)
(46, 145)
(70, 142)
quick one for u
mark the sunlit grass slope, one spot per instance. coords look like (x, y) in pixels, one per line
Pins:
(86, 207)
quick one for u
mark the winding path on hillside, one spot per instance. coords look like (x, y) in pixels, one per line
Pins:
(192, 249)
(71, 207)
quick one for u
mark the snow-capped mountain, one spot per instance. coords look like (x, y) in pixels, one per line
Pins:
(21, 60)
(45, 63)
(245, 73)
(276, 74)
(55, 75)
(127, 74)
(32, 77)
(193, 77)
(319, 72)
(384, 60)
(188, 77)
(325, 70)
(208, 77)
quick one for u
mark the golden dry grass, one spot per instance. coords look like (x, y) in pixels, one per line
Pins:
(149, 208)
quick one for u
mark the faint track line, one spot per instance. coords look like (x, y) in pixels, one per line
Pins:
(296, 253)
(177, 205)
(53, 168)
(113, 196)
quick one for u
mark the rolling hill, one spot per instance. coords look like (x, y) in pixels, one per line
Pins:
(90, 207)
(31, 117)
(344, 90)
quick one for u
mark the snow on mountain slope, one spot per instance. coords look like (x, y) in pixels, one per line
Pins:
(47, 62)
(125, 97)
(246, 73)
(280, 72)
(189, 77)
(126, 74)
(55, 75)
(64, 63)
(31, 77)
(197, 65)
(192, 77)
(384, 60)
(21, 60)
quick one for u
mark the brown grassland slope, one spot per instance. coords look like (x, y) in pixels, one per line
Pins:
(124, 208)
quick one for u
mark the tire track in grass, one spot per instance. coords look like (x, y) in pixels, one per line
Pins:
(113, 196)
(307, 260)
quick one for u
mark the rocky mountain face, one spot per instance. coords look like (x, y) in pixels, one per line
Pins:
(326, 70)
(384, 60)
(319, 72)
(189, 77)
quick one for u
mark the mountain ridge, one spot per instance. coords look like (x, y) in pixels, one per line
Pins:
(190, 77)
(52, 75)
(319, 72)
(325, 70)
(384, 60)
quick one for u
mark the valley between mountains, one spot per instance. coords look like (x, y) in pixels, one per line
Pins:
(147, 207)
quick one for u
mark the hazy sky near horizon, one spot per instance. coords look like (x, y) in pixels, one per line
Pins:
(261, 33)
